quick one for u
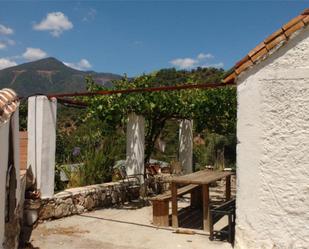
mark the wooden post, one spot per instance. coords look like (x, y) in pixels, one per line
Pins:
(228, 188)
(160, 213)
(205, 206)
(174, 205)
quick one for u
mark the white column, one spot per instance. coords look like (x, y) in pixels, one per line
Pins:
(42, 114)
(135, 145)
(186, 145)
(15, 128)
(4, 152)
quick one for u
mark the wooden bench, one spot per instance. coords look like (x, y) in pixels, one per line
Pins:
(160, 203)
(216, 213)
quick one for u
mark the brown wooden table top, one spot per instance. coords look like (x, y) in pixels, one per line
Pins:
(200, 177)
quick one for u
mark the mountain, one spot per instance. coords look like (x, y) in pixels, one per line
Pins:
(49, 76)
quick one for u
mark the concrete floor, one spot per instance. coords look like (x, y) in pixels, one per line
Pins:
(123, 228)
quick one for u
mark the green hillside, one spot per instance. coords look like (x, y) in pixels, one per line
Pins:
(49, 76)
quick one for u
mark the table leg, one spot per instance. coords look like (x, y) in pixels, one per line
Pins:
(174, 205)
(228, 188)
(205, 207)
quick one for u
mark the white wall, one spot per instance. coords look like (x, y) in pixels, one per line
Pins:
(42, 114)
(4, 140)
(273, 150)
(4, 149)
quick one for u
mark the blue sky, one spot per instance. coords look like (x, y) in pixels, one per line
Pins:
(137, 37)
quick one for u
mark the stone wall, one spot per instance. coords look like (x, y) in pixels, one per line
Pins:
(272, 152)
(78, 200)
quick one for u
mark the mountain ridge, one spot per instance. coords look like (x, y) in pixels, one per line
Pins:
(49, 75)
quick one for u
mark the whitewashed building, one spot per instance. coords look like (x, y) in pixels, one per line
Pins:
(273, 140)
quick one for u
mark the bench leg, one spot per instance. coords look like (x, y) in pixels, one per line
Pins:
(205, 189)
(160, 213)
(228, 188)
(211, 227)
(174, 206)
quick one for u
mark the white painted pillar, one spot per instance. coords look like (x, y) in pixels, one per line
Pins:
(15, 128)
(135, 145)
(42, 115)
(186, 145)
(4, 153)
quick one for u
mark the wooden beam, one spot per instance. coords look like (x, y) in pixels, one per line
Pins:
(137, 90)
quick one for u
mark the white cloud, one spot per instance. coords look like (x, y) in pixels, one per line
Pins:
(5, 43)
(4, 63)
(2, 45)
(215, 65)
(32, 54)
(202, 56)
(83, 64)
(5, 30)
(184, 63)
(55, 22)
(200, 61)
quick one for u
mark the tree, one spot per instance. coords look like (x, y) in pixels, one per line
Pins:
(213, 108)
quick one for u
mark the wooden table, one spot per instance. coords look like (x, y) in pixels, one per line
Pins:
(203, 178)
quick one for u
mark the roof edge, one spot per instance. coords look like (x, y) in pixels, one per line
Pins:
(260, 52)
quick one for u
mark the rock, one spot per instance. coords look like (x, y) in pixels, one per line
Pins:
(62, 210)
(47, 212)
(89, 203)
(79, 209)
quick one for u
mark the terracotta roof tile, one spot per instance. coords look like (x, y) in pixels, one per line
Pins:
(256, 49)
(273, 36)
(242, 61)
(259, 54)
(261, 51)
(305, 12)
(294, 28)
(292, 22)
(230, 78)
(8, 103)
(244, 66)
(276, 42)
(306, 19)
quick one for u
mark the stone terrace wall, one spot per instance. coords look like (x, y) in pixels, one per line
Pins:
(78, 200)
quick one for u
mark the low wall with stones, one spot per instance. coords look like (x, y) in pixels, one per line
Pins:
(78, 200)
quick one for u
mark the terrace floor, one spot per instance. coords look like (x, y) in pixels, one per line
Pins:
(127, 227)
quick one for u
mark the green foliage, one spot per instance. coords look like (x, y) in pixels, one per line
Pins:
(217, 150)
(87, 144)
(213, 109)
(23, 116)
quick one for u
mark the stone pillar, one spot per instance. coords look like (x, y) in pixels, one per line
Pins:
(186, 145)
(135, 145)
(42, 142)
